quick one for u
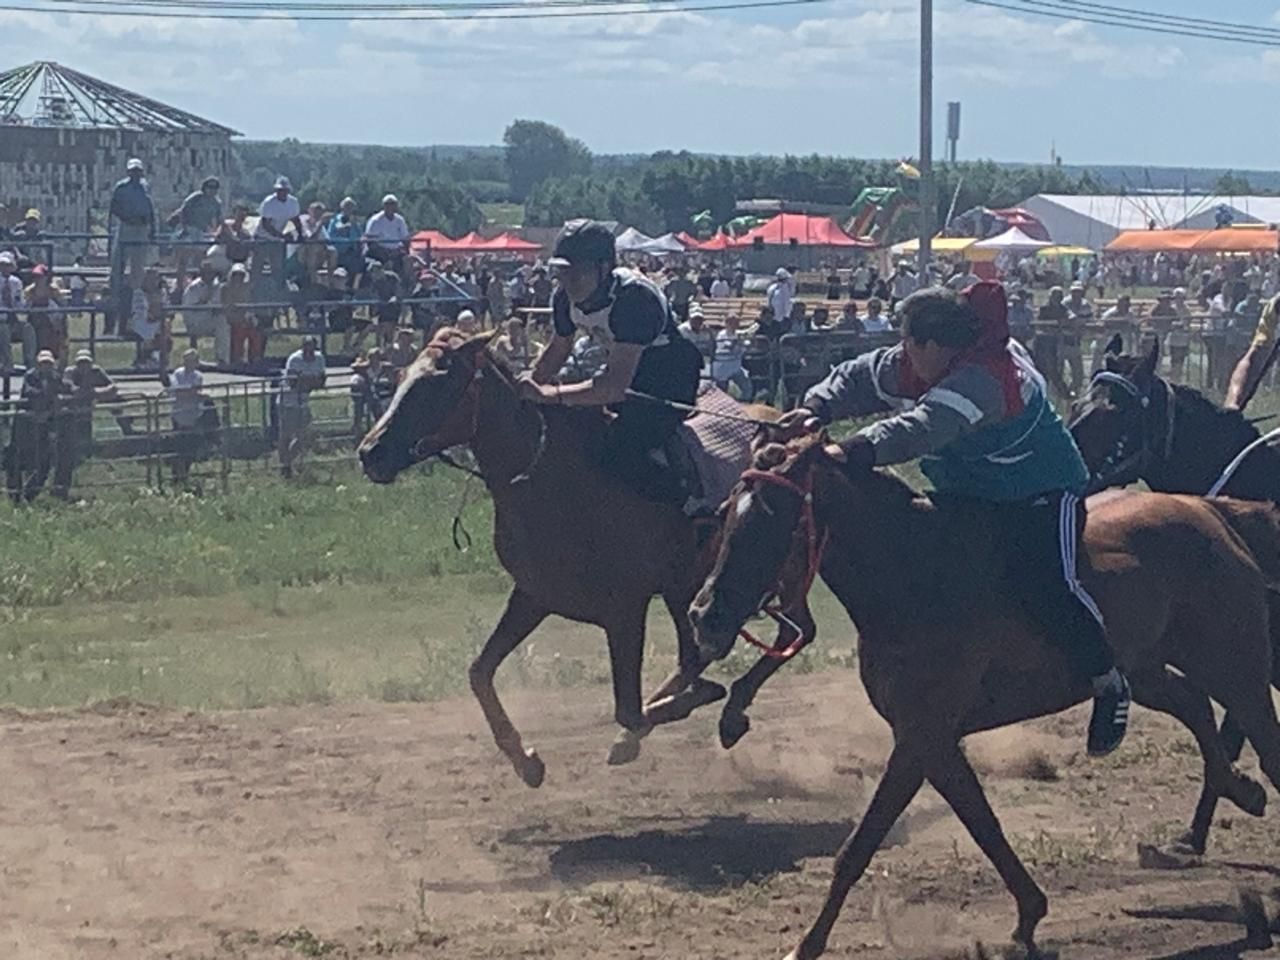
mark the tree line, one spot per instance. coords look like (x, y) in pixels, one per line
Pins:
(556, 177)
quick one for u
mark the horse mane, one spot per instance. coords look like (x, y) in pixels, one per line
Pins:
(1224, 420)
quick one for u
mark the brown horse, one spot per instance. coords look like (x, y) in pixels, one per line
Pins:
(946, 650)
(576, 541)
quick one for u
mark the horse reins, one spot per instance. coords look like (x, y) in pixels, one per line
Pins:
(816, 546)
(1146, 454)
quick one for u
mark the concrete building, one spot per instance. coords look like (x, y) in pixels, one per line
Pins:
(65, 137)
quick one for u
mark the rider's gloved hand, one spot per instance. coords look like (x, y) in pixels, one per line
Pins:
(857, 455)
(797, 423)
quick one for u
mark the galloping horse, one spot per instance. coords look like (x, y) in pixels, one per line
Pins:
(576, 541)
(946, 649)
(1134, 425)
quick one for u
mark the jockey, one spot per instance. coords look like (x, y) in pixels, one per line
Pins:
(967, 399)
(646, 355)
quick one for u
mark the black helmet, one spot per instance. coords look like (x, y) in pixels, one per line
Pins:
(583, 241)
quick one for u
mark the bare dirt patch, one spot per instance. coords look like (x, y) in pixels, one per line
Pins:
(395, 830)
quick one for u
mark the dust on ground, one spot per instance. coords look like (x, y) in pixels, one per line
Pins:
(370, 830)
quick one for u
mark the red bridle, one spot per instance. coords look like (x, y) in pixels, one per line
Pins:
(816, 546)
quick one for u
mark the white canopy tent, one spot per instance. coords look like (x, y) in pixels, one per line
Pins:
(1012, 240)
(632, 240)
(667, 243)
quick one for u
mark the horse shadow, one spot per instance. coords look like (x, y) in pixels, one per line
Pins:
(715, 853)
(1248, 913)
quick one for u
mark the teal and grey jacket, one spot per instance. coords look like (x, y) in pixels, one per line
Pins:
(969, 443)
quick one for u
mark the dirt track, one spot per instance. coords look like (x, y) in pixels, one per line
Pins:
(373, 830)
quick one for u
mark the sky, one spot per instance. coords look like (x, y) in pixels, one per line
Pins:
(834, 77)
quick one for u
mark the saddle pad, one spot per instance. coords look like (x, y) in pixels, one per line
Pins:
(720, 449)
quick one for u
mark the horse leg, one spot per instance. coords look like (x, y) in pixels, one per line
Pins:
(898, 786)
(519, 619)
(1169, 693)
(684, 690)
(1197, 836)
(626, 658)
(734, 722)
(952, 776)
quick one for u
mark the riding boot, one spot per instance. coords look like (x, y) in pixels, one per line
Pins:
(1110, 717)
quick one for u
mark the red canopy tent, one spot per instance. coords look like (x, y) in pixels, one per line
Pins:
(688, 239)
(431, 238)
(805, 230)
(472, 241)
(510, 243)
(721, 241)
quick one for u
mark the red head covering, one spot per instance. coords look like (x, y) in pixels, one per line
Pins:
(990, 351)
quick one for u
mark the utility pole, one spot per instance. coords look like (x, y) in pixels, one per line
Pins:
(928, 202)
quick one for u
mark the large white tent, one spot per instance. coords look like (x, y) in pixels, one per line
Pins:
(667, 243)
(632, 240)
(1094, 220)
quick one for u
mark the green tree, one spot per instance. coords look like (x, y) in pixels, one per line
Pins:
(1230, 184)
(537, 151)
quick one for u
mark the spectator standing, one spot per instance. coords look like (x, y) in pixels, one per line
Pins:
(44, 302)
(875, 320)
(1050, 320)
(1022, 316)
(680, 292)
(403, 352)
(387, 235)
(278, 210)
(28, 240)
(30, 453)
(1079, 313)
(198, 221)
(739, 281)
(697, 332)
(513, 345)
(1179, 339)
(903, 285)
(134, 216)
(540, 289)
(247, 341)
(344, 233)
(728, 353)
(185, 385)
(860, 281)
(201, 314)
(385, 287)
(720, 289)
(304, 372)
(373, 383)
(86, 385)
(779, 295)
(13, 326)
(498, 308)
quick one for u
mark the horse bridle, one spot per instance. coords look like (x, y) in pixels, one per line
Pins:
(1148, 454)
(773, 603)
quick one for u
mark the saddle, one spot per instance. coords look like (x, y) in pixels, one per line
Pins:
(715, 450)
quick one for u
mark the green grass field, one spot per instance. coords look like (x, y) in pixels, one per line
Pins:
(328, 589)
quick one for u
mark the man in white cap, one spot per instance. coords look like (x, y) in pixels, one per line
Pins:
(184, 386)
(277, 211)
(304, 371)
(134, 216)
(779, 297)
(12, 324)
(388, 235)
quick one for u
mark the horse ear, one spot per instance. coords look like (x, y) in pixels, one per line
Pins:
(1115, 346)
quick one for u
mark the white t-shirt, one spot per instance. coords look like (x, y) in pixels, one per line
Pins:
(296, 367)
(390, 232)
(183, 385)
(10, 291)
(779, 297)
(726, 362)
(704, 338)
(278, 213)
(720, 288)
(876, 324)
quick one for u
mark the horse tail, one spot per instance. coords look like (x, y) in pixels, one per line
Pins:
(1257, 523)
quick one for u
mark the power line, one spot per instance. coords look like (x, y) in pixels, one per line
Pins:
(1131, 23)
(1165, 17)
(270, 6)
(443, 12)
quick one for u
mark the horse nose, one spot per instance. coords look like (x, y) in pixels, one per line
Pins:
(373, 461)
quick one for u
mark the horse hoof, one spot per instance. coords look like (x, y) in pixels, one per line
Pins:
(733, 727)
(1250, 797)
(625, 749)
(1170, 858)
(531, 769)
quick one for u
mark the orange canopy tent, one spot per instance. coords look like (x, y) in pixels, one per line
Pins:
(1238, 240)
(805, 230)
(431, 238)
(1154, 241)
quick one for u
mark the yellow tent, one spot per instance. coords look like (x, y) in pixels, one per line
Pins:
(939, 245)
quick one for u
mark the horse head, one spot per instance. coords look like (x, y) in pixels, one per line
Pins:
(1112, 423)
(770, 546)
(434, 407)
